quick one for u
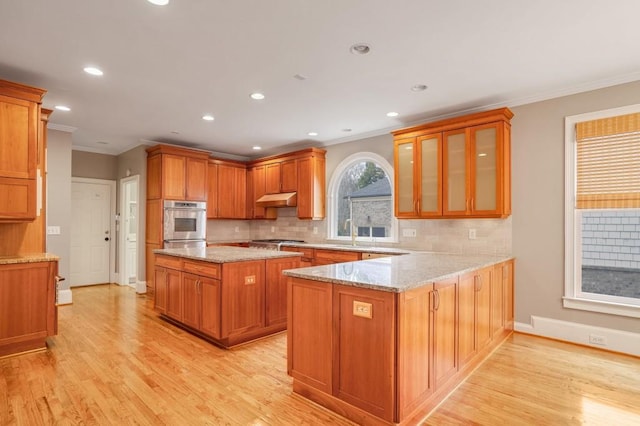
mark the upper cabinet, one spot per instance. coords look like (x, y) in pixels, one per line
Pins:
(227, 190)
(460, 167)
(19, 141)
(281, 176)
(176, 173)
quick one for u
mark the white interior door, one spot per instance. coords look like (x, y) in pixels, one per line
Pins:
(130, 223)
(90, 233)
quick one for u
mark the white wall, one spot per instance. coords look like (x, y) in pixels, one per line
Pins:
(59, 199)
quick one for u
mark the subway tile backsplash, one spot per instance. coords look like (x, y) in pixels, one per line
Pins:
(493, 236)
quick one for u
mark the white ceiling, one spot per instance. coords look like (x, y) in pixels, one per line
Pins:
(167, 66)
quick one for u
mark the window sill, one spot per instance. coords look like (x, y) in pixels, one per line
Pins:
(602, 307)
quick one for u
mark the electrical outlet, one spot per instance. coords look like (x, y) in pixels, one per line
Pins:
(409, 232)
(273, 229)
(237, 229)
(595, 339)
(315, 229)
(53, 230)
(472, 234)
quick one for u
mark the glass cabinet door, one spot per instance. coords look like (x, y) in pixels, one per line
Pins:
(404, 171)
(430, 175)
(484, 169)
(455, 178)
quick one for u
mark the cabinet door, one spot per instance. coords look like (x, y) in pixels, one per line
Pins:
(272, 180)
(210, 304)
(212, 191)
(311, 188)
(174, 294)
(508, 283)
(160, 294)
(415, 379)
(243, 297)
(466, 318)
(405, 178)
(289, 176)
(154, 177)
(17, 199)
(276, 289)
(196, 179)
(309, 355)
(365, 354)
(430, 175)
(483, 300)
(485, 158)
(18, 138)
(173, 176)
(497, 300)
(191, 300)
(445, 303)
(455, 173)
(240, 194)
(226, 186)
(259, 189)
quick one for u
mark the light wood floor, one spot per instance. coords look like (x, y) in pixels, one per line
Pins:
(115, 362)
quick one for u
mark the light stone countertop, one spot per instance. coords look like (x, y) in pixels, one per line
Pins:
(224, 254)
(397, 273)
(28, 258)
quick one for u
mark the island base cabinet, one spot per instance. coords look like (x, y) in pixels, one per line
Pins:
(243, 297)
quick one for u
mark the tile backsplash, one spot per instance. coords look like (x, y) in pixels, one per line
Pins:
(493, 236)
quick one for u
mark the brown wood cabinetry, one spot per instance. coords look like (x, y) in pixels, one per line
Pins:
(256, 188)
(20, 141)
(459, 167)
(308, 255)
(227, 190)
(281, 177)
(28, 311)
(344, 353)
(176, 173)
(227, 303)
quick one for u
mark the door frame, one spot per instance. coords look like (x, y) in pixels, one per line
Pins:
(113, 277)
(122, 235)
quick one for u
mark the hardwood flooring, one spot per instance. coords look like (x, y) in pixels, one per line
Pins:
(115, 362)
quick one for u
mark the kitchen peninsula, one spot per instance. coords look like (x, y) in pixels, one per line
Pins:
(383, 341)
(227, 295)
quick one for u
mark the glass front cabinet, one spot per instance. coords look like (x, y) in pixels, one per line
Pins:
(459, 167)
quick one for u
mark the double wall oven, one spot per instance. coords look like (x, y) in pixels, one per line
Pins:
(185, 224)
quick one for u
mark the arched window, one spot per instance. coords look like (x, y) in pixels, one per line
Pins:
(361, 200)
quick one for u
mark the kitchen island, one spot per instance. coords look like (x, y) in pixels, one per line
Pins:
(227, 295)
(28, 310)
(383, 341)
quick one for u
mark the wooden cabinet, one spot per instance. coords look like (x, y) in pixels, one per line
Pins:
(243, 298)
(176, 173)
(201, 299)
(28, 312)
(276, 289)
(328, 257)
(174, 295)
(227, 190)
(459, 167)
(160, 289)
(344, 353)
(308, 255)
(302, 172)
(281, 176)
(19, 149)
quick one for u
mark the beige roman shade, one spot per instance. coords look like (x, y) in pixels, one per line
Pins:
(608, 163)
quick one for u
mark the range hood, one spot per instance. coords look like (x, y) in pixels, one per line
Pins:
(284, 199)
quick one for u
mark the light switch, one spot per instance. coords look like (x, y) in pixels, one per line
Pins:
(53, 230)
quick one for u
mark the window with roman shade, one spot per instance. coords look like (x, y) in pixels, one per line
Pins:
(608, 163)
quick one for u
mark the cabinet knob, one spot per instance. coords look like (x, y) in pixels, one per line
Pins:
(106, 238)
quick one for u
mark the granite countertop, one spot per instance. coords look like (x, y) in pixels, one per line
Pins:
(225, 254)
(397, 273)
(346, 247)
(28, 258)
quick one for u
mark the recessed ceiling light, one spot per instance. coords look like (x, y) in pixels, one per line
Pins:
(257, 96)
(482, 154)
(392, 114)
(93, 71)
(360, 49)
(175, 132)
(159, 2)
(300, 77)
(418, 87)
(103, 143)
(313, 133)
(256, 148)
(207, 117)
(346, 130)
(62, 108)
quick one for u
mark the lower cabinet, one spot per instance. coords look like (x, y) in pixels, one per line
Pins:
(373, 355)
(228, 303)
(28, 311)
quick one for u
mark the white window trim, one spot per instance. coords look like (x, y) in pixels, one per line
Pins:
(572, 293)
(332, 225)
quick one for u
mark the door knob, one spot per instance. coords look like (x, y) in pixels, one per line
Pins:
(106, 238)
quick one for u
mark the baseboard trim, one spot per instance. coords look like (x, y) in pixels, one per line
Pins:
(65, 297)
(614, 340)
(141, 287)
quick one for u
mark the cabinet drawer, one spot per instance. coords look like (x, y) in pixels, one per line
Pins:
(203, 268)
(338, 256)
(169, 261)
(306, 252)
(366, 256)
